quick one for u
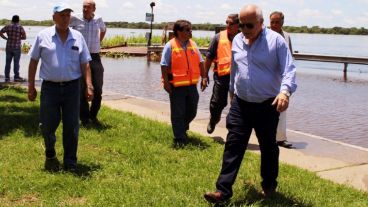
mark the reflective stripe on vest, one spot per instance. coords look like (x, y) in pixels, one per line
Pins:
(223, 55)
(184, 64)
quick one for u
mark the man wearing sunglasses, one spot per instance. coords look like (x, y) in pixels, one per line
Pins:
(276, 23)
(219, 52)
(261, 80)
(182, 67)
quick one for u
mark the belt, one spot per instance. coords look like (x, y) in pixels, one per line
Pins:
(61, 83)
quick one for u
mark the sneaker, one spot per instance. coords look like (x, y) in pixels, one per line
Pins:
(19, 79)
(285, 144)
(7, 80)
(52, 164)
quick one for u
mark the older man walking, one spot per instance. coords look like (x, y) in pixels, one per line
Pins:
(261, 81)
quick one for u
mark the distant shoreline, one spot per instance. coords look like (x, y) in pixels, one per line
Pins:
(210, 27)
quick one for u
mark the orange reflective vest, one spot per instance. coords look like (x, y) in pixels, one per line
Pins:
(185, 69)
(223, 59)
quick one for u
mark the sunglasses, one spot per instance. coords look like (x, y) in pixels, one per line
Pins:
(247, 25)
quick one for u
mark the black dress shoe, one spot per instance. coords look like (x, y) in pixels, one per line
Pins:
(52, 164)
(285, 144)
(268, 192)
(211, 127)
(215, 197)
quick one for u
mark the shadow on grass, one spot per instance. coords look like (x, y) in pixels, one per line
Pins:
(100, 126)
(196, 142)
(86, 170)
(252, 196)
(14, 117)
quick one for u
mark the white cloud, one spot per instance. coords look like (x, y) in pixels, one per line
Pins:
(7, 3)
(336, 12)
(128, 5)
(225, 6)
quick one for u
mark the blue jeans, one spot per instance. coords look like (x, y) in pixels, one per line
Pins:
(10, 54)
(60, 102)
(183, 106)
(242, 118)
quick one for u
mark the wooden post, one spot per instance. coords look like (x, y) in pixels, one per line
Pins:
(345, 71)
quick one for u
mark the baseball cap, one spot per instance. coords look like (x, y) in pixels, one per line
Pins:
(59, 7)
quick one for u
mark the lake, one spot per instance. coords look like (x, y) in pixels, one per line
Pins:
(324, 105)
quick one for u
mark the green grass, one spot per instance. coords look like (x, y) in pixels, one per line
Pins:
(129, 161)
(140, 40)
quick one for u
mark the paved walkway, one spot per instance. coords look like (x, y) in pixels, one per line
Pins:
(335, 161)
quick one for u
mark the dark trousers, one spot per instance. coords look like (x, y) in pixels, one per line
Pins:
(183, 106)
(242, 118)
(97, 70)
(219, 96)
(10, 54)
(60, 102)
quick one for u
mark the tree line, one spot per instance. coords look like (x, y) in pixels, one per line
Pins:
(209, 27)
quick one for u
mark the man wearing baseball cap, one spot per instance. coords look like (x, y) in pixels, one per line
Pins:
(65, 58)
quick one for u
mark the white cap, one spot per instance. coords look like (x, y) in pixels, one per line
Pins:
(59, 7)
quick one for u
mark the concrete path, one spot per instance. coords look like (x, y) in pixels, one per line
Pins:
(335, 161)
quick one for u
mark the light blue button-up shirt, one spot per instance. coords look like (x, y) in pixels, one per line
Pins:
(60, 61)
(261, 71)
(166, 53)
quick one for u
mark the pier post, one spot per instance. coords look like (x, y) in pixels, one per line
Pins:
(345, 71)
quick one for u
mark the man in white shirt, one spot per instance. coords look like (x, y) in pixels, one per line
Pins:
(93, 30)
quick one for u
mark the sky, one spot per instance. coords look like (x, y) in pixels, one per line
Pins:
(322, 13)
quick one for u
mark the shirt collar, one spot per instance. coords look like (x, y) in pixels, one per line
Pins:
(70, 34)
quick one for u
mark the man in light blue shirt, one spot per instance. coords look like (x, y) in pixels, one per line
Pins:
(261, 81)
(65, 57)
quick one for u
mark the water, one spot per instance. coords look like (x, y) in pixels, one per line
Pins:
(324, 105)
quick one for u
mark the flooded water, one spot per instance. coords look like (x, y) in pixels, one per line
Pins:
(323, 105)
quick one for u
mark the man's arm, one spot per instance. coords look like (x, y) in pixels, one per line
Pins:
(32, 68)
(3, 36)
(23, 35)
(165, 78)
(86, 72)
(102, 35)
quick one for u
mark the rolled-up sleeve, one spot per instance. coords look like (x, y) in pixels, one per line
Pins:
(287, 67)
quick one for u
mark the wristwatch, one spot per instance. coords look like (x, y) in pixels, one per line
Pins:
(286, 92)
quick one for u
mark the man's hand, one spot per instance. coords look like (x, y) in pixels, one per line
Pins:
(281, 101)
(89, 93)
(167, 87)
(32, 93)
(204, 83)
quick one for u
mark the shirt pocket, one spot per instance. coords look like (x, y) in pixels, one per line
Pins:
(73, 55)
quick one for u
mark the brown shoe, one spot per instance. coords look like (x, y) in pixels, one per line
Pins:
(215, 197)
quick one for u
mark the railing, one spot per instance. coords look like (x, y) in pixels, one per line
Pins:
(305, 57)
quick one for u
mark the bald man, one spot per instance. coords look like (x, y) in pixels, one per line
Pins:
(261, 63)
(93, 30)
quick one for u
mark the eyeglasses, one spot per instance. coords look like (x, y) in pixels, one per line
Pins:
(247, 25)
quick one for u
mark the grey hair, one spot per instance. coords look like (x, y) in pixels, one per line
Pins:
(234, 17)
(279, 13)
(259, 13)
(92, 2)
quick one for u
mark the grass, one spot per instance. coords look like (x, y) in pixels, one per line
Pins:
(129, 161)
(140, 40)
